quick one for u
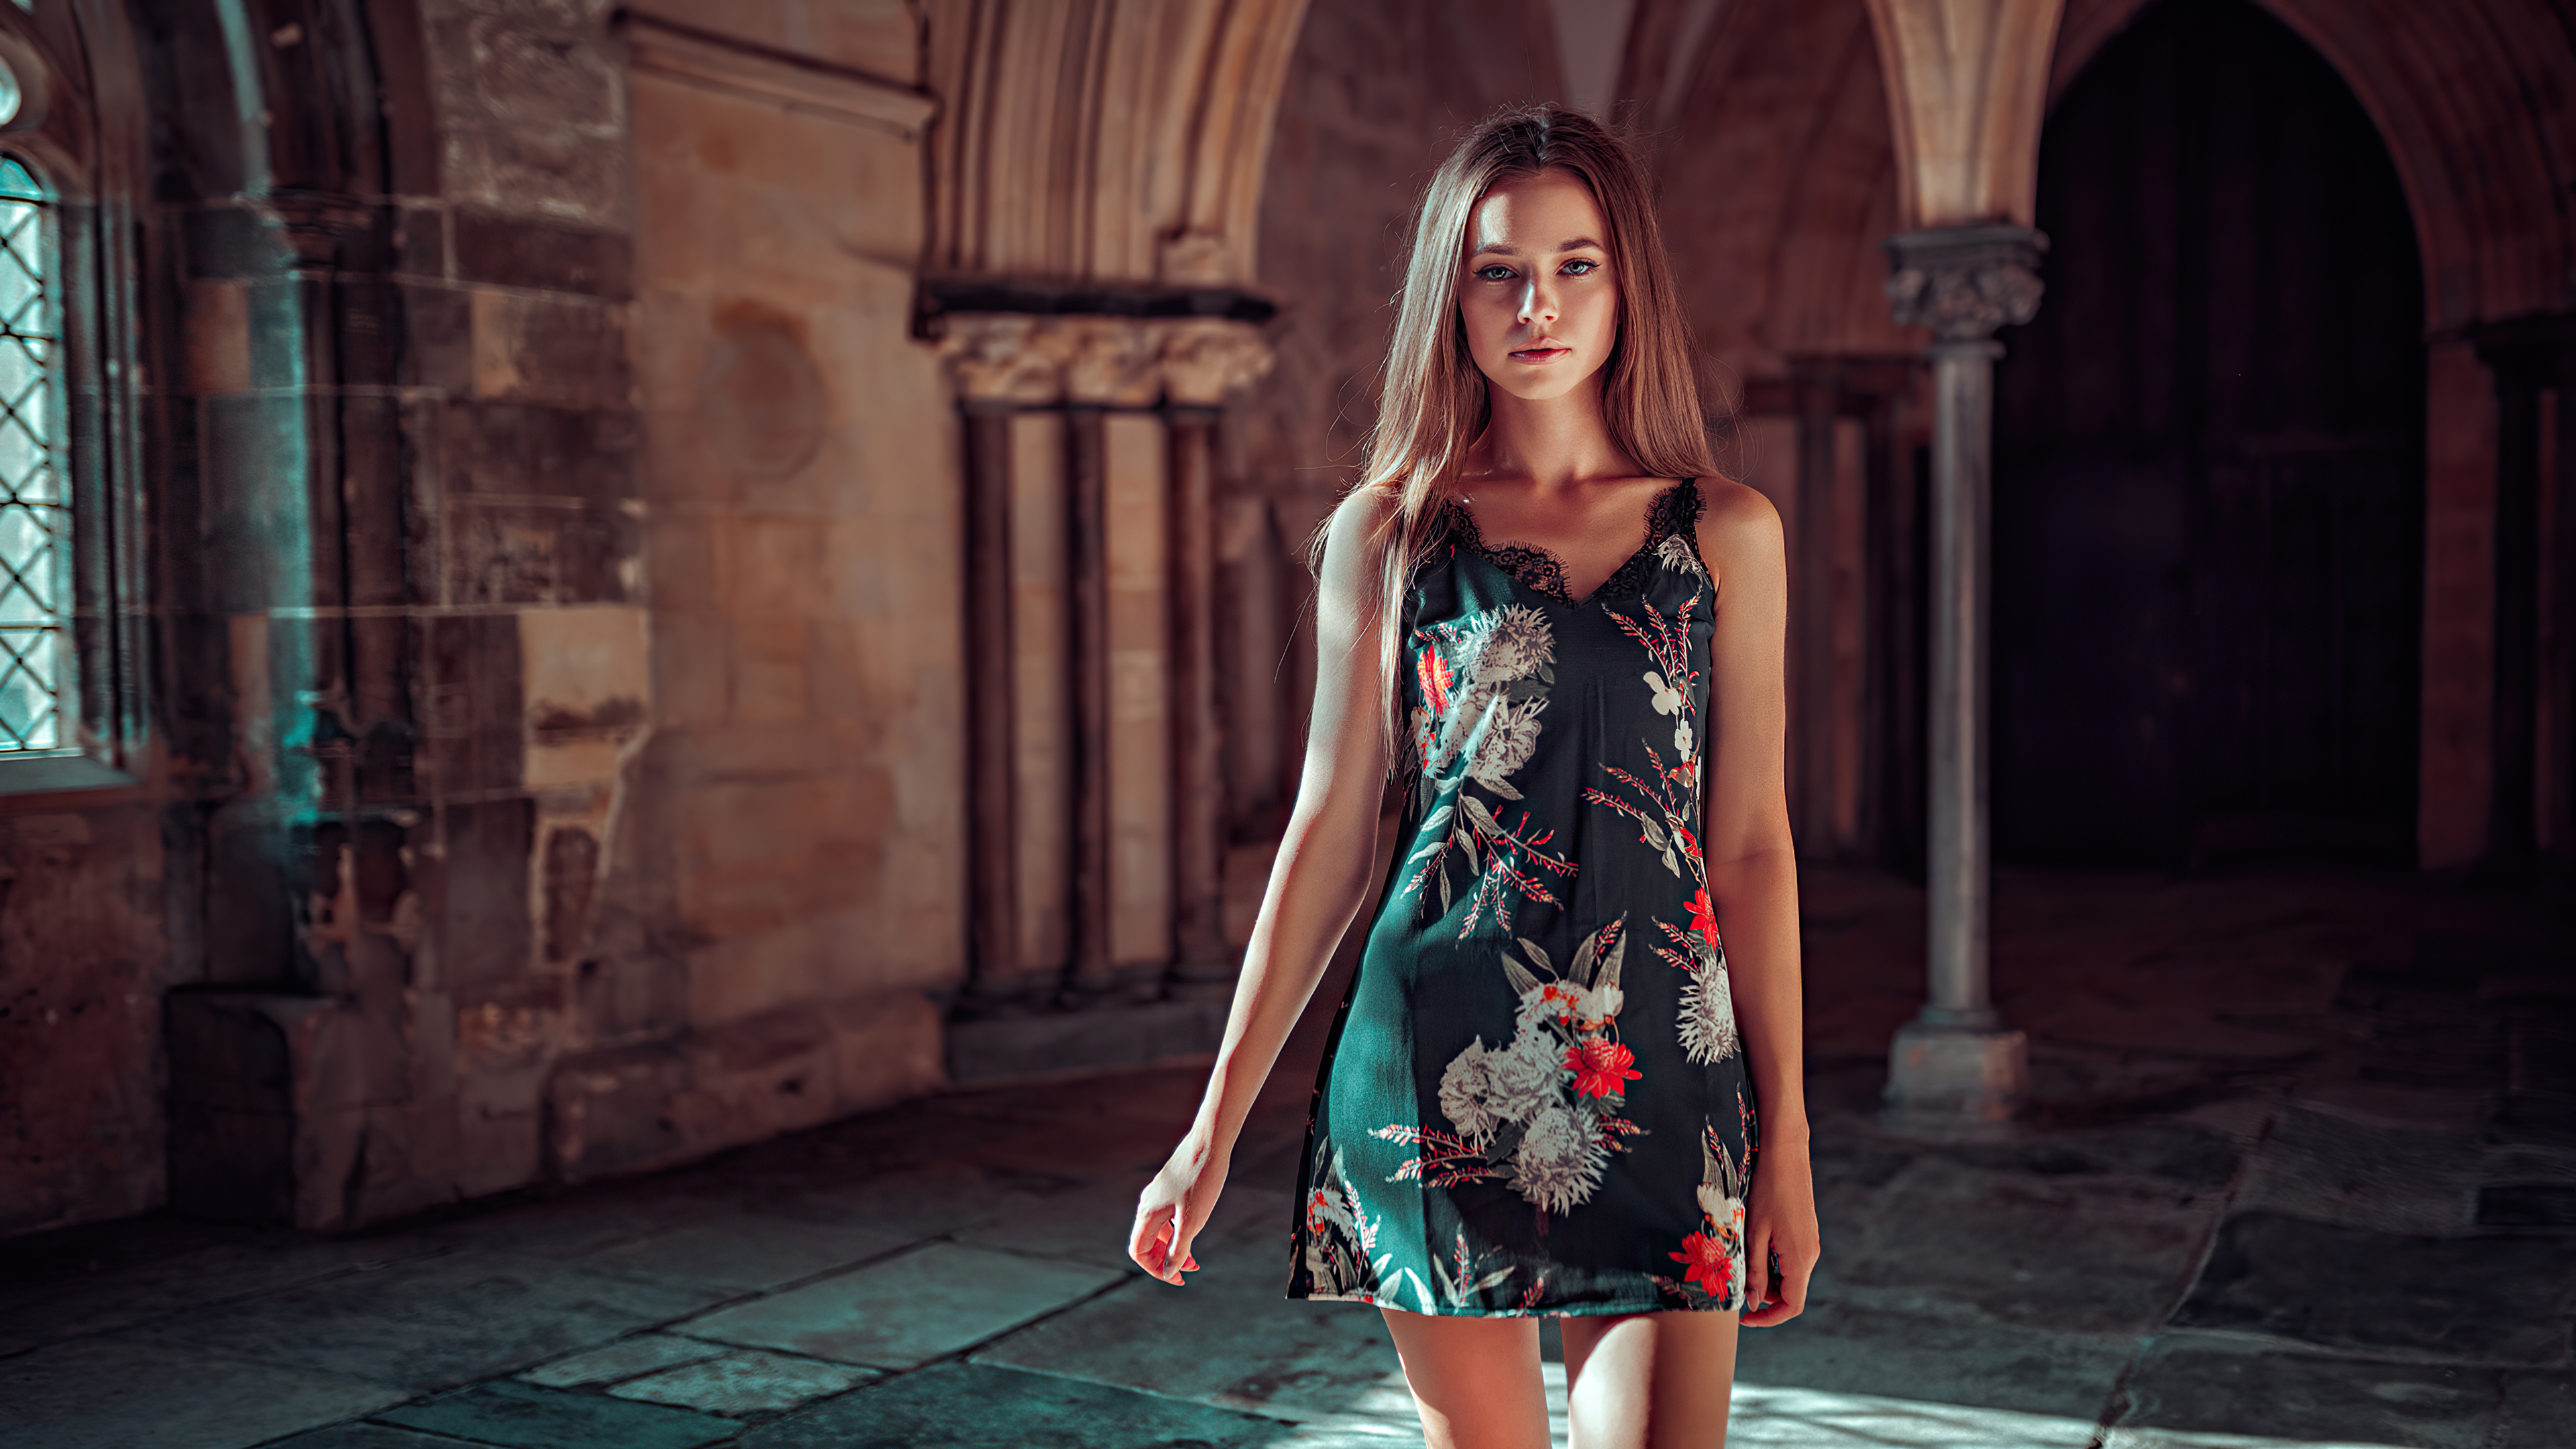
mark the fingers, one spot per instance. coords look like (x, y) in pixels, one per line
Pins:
(1788, 1295)
(1185, 1231)
(1757, 1269)
(1145, 1242)
(1160, 1242)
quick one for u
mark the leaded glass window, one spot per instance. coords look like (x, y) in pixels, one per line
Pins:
(35, 509)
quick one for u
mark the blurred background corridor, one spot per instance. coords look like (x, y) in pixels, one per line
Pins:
(650, 657)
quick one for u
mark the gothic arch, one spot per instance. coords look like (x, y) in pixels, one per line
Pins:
(2472, 102)
(1112, 140)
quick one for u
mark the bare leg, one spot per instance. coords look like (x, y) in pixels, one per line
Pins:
(1649, 1380)
(1475, 1379)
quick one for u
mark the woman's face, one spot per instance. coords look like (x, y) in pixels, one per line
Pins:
(1541, 308)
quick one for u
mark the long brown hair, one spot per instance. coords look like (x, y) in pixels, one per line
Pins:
(1435, 402)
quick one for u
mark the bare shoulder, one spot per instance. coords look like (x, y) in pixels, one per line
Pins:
(1739, 530)
(1355, 533)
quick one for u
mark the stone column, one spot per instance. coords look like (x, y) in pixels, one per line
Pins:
(1000, 365)
(1955, 1065)
(1203, 360)
(2521, 371)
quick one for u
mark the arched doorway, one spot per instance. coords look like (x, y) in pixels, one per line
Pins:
(2209, 462)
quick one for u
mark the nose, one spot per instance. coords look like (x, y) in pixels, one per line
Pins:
(1538, 302)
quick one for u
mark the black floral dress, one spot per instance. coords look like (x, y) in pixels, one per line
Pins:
(1533, 1101)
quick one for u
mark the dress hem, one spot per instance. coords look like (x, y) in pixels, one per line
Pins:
(1570, 1310)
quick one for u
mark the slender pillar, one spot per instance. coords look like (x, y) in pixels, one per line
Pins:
(1198, 756)
(1816, 389)
(2520, 372)
(992, 769)
(1956, 1065)
(1087, 547)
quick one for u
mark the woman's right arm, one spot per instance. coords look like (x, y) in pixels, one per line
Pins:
(1316, 886)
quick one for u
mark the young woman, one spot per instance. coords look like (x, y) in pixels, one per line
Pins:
(1550, 1091)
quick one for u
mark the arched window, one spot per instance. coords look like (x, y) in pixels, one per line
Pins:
(36, 649)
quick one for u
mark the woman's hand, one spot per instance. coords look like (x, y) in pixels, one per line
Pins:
(1780, 1222)
(1174, 1207)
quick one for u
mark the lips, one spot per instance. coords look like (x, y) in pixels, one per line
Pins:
(1544, 350)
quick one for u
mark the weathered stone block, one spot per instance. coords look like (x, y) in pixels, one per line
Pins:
(471, 730)
(496, 1152)
(438, 337)
(571, 880)
(507, 1041)
(534, 170)
(419, 238)
(527, 448)
(519, 553)
(517, 251)
(628, 1108)
(607, 1112)
(558, 349)
(265, 1095)
(482, 893)
(588, 685)
(886, 1048)
(755, 1079)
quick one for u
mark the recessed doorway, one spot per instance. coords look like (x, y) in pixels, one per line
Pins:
(2208, 517)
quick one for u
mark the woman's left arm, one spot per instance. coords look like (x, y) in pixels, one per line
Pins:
(1753, 881)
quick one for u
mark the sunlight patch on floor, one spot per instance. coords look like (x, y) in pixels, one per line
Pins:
(1810, 1419)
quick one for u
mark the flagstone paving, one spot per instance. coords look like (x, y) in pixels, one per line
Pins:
(2302, 1172)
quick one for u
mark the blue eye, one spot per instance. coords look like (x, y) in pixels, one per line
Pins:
(1495, 272)
(1580, 266)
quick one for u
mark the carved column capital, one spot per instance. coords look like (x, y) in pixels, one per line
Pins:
(1204, 358)
(1114, 361)
(1009, 359)
(1965, 282)
(1005, 359)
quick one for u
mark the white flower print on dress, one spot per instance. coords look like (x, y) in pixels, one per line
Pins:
(1543, 1113)
(1559, 1160)
(1668, 697)
(1468, 1095)
(1484, 683)
(1708, 1015)
(1675, 553)
(1504, 742)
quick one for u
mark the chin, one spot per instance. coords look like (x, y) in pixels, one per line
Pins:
(1543, 388)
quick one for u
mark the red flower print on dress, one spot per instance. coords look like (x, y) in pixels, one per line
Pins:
(1707, 1264)
(1704, 917)
(1601, 1068)
(1434, 673)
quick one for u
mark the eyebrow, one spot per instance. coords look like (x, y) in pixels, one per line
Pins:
(1576, 245)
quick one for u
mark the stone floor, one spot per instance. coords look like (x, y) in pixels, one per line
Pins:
(2303, 1173)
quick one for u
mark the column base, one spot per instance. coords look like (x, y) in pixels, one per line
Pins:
(1949, 1080)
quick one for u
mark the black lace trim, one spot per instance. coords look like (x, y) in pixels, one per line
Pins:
(1671, 513)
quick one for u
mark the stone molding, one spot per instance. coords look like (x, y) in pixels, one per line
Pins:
(753, 72)
(1127, 140)
(1966, 282)
(1012, 360)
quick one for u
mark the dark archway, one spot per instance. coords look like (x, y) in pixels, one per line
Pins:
(2209, 463)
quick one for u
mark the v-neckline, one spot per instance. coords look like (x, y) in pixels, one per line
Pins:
(1554, 563)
